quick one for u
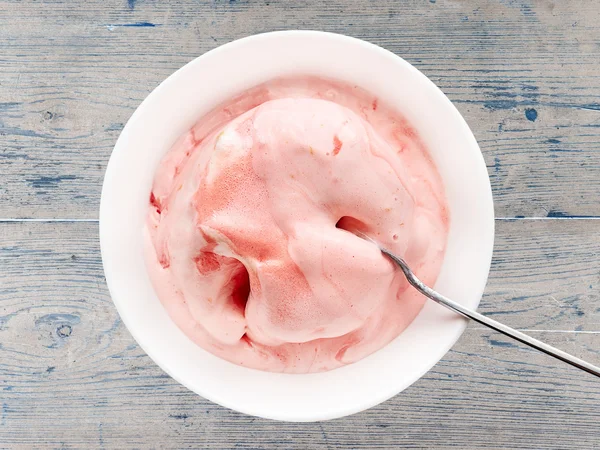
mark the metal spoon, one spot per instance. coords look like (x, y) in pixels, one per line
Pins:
(473, 315)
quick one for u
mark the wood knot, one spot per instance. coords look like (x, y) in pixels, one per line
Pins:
(64, 331)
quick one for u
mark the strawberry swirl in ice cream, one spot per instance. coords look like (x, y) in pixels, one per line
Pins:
(247, 235)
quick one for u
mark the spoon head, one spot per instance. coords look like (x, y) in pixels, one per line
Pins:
(399, 261)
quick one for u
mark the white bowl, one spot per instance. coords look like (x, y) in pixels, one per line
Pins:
(175, 105)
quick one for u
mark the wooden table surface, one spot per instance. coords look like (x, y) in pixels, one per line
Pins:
(525, 75)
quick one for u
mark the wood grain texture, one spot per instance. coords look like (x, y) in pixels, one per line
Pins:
(71, 376)
(524, 74)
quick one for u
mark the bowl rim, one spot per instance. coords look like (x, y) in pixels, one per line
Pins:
(120, 146)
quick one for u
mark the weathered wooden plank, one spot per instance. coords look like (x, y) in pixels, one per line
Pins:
(71, 376)
(479, 396)
(524, 74)
(545, 273)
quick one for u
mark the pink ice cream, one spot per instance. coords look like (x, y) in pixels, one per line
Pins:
(248, 245)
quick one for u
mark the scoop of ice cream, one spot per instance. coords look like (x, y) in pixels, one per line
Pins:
(250, 242)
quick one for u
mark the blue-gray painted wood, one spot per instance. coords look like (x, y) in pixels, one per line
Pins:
(525, 75)
(71, 376)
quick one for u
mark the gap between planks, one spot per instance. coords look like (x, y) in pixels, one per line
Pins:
(505, 219)
(525, 330)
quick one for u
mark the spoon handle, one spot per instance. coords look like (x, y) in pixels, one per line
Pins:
(480, 318)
